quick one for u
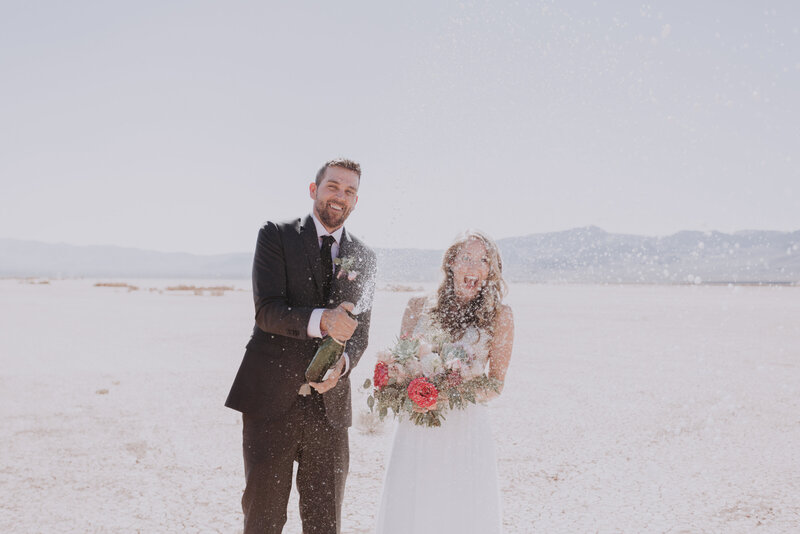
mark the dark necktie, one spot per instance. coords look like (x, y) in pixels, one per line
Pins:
(327, 264)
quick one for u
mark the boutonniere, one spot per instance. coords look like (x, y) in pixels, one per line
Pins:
(346, 265)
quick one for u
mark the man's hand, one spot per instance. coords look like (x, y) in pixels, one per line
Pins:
(332, 380)
(337, 323)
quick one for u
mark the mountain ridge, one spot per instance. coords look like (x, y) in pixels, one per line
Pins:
(582, 255)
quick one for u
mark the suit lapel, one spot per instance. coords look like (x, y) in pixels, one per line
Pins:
(311, 244)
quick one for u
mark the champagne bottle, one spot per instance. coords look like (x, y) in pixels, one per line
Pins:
(328, 353)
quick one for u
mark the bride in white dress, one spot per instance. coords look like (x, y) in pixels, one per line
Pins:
(443, 479)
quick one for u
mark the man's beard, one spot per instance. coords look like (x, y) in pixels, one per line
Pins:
(331, 218)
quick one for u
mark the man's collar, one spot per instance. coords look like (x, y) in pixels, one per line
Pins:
(321, 230)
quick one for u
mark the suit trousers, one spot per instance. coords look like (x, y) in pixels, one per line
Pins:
(271, 447)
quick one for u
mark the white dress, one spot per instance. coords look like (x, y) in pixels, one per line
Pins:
(443, 480)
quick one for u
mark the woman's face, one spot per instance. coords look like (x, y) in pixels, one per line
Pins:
(470, 270)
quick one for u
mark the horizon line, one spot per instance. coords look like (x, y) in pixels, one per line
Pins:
(587, 227)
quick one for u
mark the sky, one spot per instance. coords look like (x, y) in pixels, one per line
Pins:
(185, 125)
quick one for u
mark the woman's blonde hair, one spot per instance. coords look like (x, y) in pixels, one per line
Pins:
(454, 316)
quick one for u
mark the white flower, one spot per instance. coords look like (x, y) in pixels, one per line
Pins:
(385, 356)
(456, 365)
(425, 348)
(413, 367)
(476, 368)
(431, 364)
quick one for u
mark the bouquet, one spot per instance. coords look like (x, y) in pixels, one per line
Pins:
(423, 377)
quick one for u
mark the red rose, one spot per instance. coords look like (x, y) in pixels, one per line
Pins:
(422, 392)
(381, 376)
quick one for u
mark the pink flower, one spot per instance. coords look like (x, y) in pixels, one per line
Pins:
(396, 371)
(454, 378)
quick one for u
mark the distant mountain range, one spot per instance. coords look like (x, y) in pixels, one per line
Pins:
(580, 255)
(593, 255)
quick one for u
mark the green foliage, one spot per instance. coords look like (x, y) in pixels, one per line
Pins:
(394, 397)
(429, 418)
(405, 349)
(450, 351)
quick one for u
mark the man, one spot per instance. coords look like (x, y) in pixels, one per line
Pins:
(299, 298)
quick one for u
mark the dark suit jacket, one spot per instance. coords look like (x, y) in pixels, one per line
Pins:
(287, 286)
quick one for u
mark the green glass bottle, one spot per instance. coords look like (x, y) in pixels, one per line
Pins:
(328, 353)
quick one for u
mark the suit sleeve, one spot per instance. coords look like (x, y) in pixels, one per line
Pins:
(274, 315)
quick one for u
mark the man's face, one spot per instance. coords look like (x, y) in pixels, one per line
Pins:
(335, 197)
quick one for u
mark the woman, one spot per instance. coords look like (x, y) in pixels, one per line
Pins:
(444, 479)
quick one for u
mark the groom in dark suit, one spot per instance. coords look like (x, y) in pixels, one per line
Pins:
(300, 296)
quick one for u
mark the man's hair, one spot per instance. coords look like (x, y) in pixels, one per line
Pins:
(339, 162)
